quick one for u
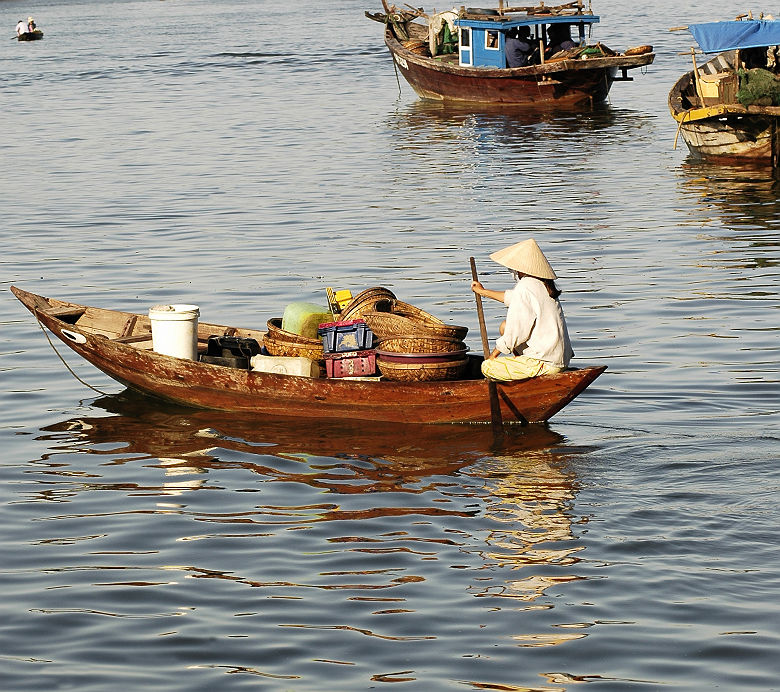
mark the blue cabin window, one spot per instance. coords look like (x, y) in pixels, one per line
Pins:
(491, 40)
(465, 46)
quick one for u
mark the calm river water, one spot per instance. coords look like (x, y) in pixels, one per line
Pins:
(241, 155)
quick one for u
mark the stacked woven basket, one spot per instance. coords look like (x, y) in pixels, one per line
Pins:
(414, 346)
(279, 342)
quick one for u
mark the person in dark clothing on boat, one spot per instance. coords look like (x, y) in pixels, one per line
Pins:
(559, 39)
(517, 47)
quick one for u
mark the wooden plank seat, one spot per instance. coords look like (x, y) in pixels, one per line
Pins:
(133, 338)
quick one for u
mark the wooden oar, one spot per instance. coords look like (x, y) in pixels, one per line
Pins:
(495, 406)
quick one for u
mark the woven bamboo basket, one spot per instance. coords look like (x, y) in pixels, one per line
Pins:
(368, 300)
(388, 325)
(279, 342)
(422, 372)
(420, 344)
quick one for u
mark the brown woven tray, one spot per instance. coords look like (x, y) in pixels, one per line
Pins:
(421, 372)
(413, 312)
(387, 325)
(367, 301)
(420, 344)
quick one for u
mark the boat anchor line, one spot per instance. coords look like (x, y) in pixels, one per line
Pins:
(397, 78)
(77, 338)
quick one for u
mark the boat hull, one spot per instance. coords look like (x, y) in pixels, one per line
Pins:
(567, 84)
(733, 139)
(100, 337)
(725, 132)
(36, 35)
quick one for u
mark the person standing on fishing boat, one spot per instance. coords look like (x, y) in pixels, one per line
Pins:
(534, 339)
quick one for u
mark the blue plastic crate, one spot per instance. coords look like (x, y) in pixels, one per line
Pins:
(341, 337)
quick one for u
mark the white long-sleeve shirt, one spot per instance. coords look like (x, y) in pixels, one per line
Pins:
(535, 325)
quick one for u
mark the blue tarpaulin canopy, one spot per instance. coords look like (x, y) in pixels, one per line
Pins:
(715, 37)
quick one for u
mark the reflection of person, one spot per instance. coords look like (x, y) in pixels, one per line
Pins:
(518, 47)
(534, 337)
(21, 27)
(559, 38)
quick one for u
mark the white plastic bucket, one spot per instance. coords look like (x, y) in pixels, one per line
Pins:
(175, 330)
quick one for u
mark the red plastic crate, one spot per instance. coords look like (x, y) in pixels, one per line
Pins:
(352, 364)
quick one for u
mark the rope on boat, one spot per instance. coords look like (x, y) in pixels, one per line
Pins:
(395, 67)
(54, 348)
(679, 127)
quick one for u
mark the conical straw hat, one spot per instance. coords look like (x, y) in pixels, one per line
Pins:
(525, 257)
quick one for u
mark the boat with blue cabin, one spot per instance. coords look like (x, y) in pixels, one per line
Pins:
(462, 56)
(727, 109)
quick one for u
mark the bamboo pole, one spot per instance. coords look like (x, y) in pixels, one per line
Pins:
(495, 406)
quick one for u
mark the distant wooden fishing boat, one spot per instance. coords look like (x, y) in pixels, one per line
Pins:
(727, 109)
(460, 57)
(120, 344)
(36, 35)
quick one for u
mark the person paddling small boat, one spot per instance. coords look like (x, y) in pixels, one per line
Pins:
(534, 339)
(28, 30)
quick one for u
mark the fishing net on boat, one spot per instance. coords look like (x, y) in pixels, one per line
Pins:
(758, 87)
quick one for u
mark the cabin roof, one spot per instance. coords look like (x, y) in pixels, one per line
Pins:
(503, 24)
(716, 37)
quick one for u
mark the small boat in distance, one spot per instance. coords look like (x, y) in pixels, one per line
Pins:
(36, 35)
(460, 57)
(727, 109)
(120, 344)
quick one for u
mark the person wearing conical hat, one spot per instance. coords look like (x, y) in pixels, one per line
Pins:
(534, 339)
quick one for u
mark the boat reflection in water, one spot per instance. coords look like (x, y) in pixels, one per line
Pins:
(500, 125)
(186, 440)
(743, 196)
(530, 498)
(398, 532)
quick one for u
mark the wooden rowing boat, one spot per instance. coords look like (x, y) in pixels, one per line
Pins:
(713, 123)
(120, 344)
(476, 72)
